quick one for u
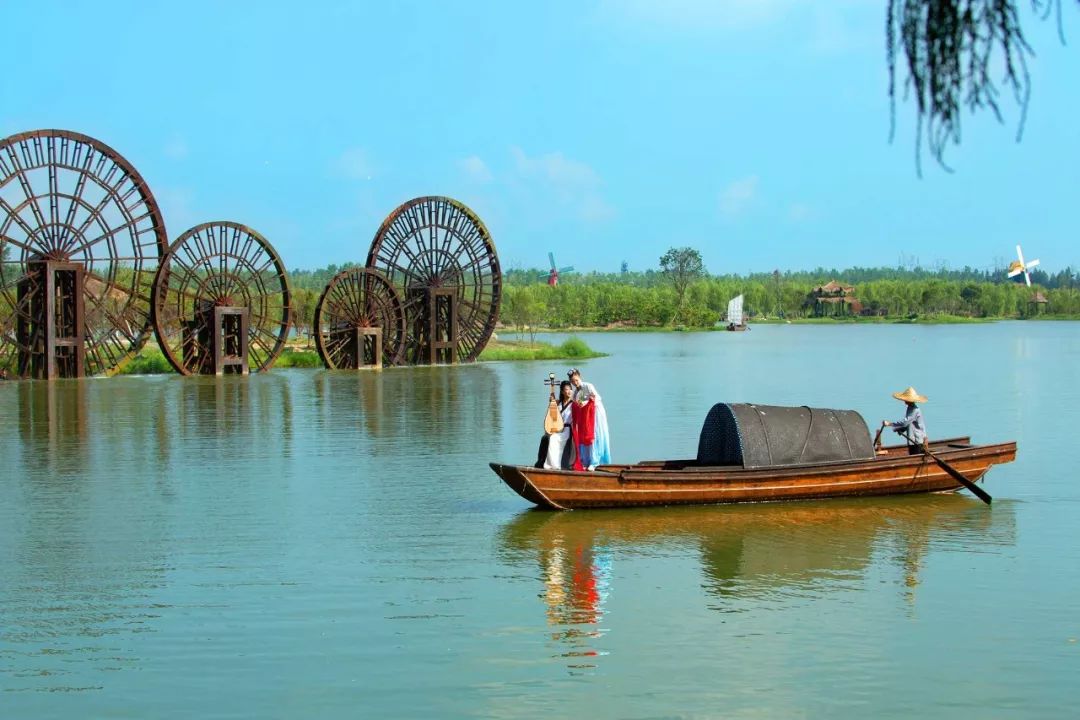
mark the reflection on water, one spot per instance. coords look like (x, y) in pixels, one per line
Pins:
(576, 579)
(231, 409)
(341, 394)
(751, 557)
(52, 421)
(78, 573)
(423, 405)
(307, 543)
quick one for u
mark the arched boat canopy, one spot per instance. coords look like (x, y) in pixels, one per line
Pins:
(764, 436)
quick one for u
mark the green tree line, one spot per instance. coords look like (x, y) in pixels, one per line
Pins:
(650, 299)
(599, 301)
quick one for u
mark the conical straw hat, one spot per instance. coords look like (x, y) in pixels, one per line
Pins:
(909, 395)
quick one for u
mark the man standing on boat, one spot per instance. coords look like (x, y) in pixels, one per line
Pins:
(912, 427)
(587, 402)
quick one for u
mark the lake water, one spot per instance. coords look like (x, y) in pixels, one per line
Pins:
(315, 544)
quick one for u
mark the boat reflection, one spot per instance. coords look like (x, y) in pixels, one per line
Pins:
(751, 556)
(577, 579)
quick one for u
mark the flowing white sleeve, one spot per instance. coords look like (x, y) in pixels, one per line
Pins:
(592, 391)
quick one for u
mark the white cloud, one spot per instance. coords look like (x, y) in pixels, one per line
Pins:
(571, 183)
(558, 169)
(595, 209)
(354, 164)
(475, 169)
(739, 196)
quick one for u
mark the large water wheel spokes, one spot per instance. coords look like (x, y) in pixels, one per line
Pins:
(440, 257)
(360, 321)
(80, 240)
(221, 301)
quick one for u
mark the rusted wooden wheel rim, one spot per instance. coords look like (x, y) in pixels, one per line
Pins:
(437, 242)
(67, 197)
(225, 264)
(358, 298)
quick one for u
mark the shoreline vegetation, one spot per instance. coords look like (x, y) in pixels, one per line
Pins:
(684, 296)
(573, 348)
(935, 319)
(151, 361)
(594, 304)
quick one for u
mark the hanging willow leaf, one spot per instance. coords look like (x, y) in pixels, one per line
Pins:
(958, 53)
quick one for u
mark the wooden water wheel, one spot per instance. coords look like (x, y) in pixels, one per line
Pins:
(360, 321)
(221, 301)
(440, 258)
(80, 240)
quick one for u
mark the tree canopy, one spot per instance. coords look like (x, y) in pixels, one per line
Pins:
(681, 266)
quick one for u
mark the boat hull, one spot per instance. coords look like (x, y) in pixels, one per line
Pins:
(680, 483)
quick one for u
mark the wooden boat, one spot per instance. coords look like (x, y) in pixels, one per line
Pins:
(758, 453)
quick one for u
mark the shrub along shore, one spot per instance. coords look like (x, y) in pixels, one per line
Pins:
(151, 361)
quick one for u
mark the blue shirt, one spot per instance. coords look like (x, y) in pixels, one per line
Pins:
(912, 427)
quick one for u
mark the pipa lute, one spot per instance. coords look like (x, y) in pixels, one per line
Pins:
(553, 422)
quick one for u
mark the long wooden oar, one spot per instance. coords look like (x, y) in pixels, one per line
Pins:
(956, 475)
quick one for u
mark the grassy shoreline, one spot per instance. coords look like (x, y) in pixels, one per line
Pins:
(151, 361)
(572, 348)
(935, 319)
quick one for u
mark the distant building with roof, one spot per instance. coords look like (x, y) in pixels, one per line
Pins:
(1038, 302)
(833, 300)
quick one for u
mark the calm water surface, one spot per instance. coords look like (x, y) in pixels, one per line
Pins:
(316, 544)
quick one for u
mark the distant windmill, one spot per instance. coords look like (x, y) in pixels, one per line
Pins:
(1018, 266)
(553, 274)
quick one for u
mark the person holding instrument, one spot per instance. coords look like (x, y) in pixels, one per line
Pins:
(557, 420)
(560, 451)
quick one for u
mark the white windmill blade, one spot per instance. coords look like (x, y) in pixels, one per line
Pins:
(1022, 267)
(1027, 275)
(1015, 268)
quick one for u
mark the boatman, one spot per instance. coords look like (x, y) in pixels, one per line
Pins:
(912, 427)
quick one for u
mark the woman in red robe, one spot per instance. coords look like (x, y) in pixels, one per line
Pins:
(584, 414)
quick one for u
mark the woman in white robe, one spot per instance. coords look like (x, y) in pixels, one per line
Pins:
(601, 448)
(559, 443)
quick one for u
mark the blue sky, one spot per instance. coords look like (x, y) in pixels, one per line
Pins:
(603, 130)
